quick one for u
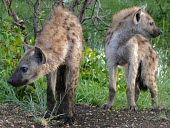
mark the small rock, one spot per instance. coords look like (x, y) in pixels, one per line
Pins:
(32, 126)
(86, 106)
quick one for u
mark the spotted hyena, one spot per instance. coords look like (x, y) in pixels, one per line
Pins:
(56, 54)
(126, 45)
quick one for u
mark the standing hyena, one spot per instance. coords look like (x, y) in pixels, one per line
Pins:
(126, 45)
(56, 54)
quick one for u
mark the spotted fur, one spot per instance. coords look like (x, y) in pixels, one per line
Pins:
(126, 44)
(56, 54)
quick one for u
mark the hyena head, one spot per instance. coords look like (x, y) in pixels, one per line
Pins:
(30, 67)
(144, 24)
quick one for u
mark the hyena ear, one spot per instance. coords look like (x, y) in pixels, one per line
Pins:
(39, 56)
(27, 47)
(137, 16)
(144, 6)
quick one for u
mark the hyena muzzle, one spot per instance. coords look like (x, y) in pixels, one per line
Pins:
(56, 54)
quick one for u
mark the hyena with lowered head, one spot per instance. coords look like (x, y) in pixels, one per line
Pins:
(126, 45)
(56, 54)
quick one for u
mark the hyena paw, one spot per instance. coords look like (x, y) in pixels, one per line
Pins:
(158, 108)
(69, 120)
(132, 108)
(106, 106)
(47, 115)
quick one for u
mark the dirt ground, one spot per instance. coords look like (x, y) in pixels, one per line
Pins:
(87, 116)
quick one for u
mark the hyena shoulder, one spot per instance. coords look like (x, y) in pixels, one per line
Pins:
(59, 29)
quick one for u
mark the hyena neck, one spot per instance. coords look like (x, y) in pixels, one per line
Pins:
(123, 35)
(53, 61)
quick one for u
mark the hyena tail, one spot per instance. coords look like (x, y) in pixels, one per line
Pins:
(139, 79)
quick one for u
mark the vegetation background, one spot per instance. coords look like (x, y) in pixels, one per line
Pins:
(93, 81)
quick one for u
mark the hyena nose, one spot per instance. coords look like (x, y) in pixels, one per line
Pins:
(160, 31)
(10, 80)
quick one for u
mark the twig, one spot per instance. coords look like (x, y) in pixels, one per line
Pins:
(30, 2)
(17, 22)
(74, 5)
(96, 16)
(86, 3)
(36, 13)
(59, 2)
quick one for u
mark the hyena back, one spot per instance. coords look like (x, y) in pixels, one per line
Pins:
(56, 54)
(126, 45)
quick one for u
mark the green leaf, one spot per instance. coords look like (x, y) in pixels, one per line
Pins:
(1, 37)
(7, 42)
(12, 38)
(5, 16)
(18, 40)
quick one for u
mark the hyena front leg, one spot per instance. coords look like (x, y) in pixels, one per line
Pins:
(51, 85)
(112, 87)
(66, 84)
(72, 80)
(130, 91)
(60, 90)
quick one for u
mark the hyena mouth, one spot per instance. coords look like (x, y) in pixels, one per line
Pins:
(17, 83)
(150, 34)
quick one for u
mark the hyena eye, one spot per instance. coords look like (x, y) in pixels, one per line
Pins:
(24, 69)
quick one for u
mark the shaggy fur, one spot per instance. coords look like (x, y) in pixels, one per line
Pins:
(56, 54)
(126, 45)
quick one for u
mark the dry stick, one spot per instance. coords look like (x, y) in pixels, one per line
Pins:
(86, 3)
(17, 22)
(74, 5)
(36, 13)
(59, 2)
(30, 2)
(92, 15)
(11, 13)
(97, 14)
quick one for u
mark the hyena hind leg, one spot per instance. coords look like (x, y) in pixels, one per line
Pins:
(149, 75)
(154, 94)
(153, 91)
(137, 91)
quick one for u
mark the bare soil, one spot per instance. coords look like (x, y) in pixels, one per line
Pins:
(12, 116)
